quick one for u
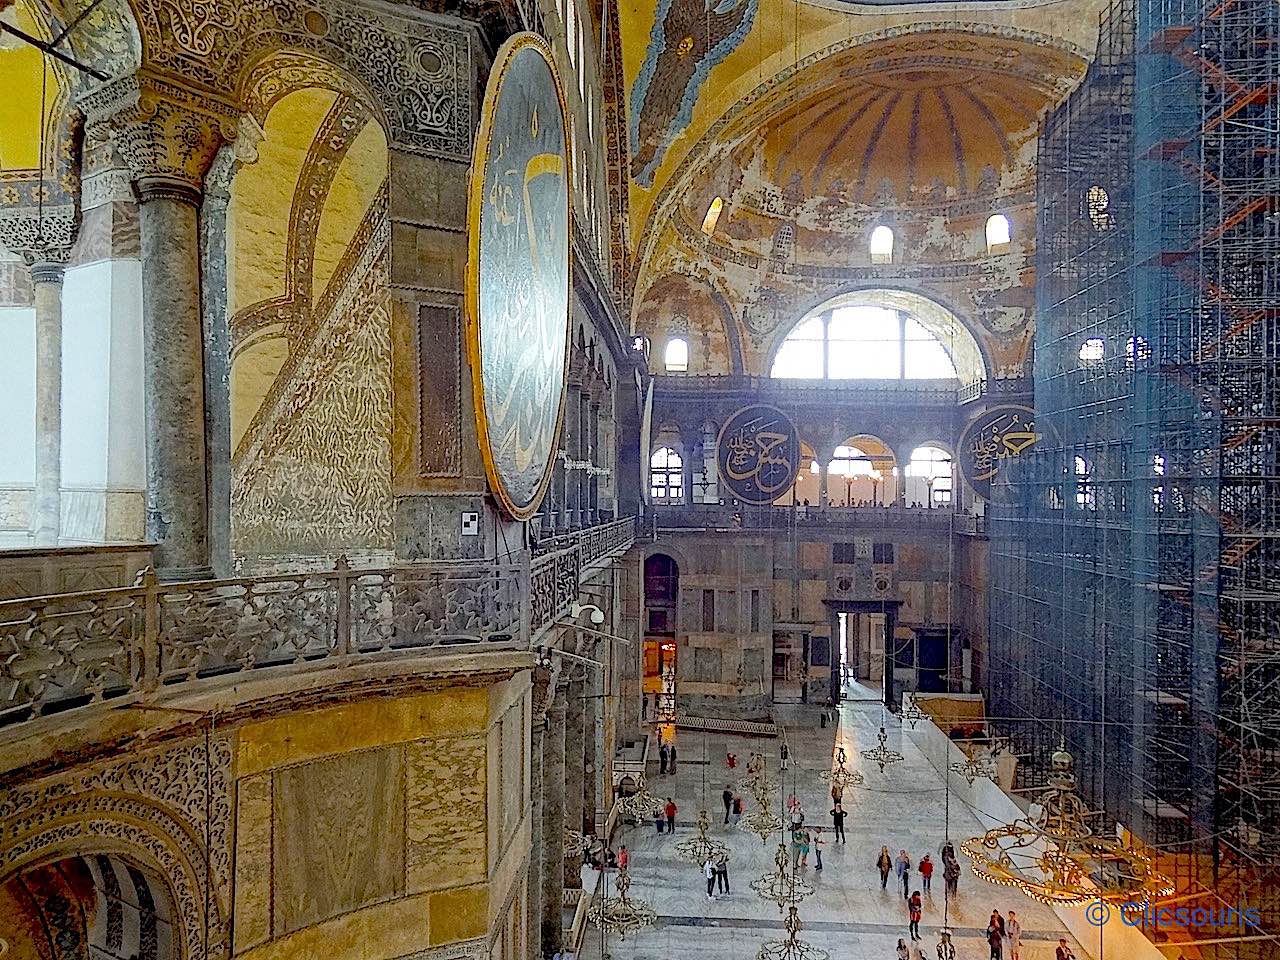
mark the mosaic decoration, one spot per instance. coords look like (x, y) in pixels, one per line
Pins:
(689, 39)
(518, 273)
(991, 438)
(758, 454)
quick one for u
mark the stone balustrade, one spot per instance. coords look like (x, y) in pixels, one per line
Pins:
(69, 650)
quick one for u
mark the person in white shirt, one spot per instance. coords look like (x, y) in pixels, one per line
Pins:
(1013, 933)
(709, 871)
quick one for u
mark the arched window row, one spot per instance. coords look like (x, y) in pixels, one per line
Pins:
(863, 342)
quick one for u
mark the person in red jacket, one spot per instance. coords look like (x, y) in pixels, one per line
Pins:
(670, 811)
(926, 872)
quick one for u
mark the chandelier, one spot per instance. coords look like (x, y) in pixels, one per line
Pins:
(976, 766)
(641, 805)
(781, 885)
(763, 822)
(792, 948)
(841, 776)
(575, 843)
(698, 850)
(1056, 858)
(912, 714)
(881, 755)
(757, 779)
(622, 914)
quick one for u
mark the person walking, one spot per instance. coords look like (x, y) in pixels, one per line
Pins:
(837, 821)
(709, 871)
(915, 909)
(722, 874)
(902, 951)
(670, 811)
(884, 863)
(737, 809)
(837, 794)
(1013, 934)
(926, 873)
(726, 797)
(904, 872)
(817, 848)
(664, 757)
(946, 949)
(951, 877)
(671, 760)
(805, 842)
(947, 851)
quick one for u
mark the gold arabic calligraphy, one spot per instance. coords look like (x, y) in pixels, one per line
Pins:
(759, 458)
(1007, 435)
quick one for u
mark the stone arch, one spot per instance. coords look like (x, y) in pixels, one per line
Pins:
(279, 73)
(137, 832)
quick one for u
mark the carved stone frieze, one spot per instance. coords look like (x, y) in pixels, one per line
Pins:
(167, 134)
(39, 236)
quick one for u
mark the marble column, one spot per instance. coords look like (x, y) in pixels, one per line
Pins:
(173, 345)
(574, 737)
(592, 732)
(46, 280)
(533, 879)
(553, 825)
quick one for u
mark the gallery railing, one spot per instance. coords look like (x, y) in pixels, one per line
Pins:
(68, 650)
(713, 516)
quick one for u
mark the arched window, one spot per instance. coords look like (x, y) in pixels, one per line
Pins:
(666, 471)
(1092, 351)
(997, 231)
(863, 342)
(882, 245)
(713, 216)
(676, 357)
(849, 462)
(930, 473)
(1084, 488)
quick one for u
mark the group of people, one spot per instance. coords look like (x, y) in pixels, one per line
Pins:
(666, 758)
(717, 873)
(901, 867)
(666, 817)
(733, 805)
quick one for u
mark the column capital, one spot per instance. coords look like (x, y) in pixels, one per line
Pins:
(167, 134)
(39, 236)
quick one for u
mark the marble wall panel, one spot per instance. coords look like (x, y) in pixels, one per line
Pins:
(252, 910)
(445, 841)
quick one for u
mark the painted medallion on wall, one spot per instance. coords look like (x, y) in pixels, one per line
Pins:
(518, 273)
(758, 454)
(991, 439)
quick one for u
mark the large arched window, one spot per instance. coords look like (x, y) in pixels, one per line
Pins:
(676, 357)
(929, 476)
(997, 231)
(881, 245)
(863, 342)
(666, 470)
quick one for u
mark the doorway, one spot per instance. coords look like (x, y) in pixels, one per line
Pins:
(862, 629)
(790, 666)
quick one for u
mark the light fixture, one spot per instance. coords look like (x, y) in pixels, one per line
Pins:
(701, 848)
(792, 948)
(578, 609)
(911, 713)
(763, 823)
(881, 755)
(1055, 857)
(842, 776)
(622, 914)
(975, 766)
(641, 805)
(781, 885)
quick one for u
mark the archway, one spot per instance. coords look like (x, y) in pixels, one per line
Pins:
(661, 602)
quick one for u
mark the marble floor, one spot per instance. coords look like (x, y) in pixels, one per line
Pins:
(905, 807)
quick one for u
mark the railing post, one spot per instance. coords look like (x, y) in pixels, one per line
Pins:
(150, 584)
(342, 629)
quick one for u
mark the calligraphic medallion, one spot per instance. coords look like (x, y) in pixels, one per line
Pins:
(517, 296)
(991, 439)
(758, 454)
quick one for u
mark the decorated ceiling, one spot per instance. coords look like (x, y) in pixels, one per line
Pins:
(812, 121)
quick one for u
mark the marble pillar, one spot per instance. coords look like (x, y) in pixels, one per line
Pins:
(593, 731)
(46, 280)
(173, 342)
(533, 878)
(574, 737)
(553, 826)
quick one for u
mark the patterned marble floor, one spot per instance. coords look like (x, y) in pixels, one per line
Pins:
(849, 915)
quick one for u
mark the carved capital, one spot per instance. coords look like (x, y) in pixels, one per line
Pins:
(166, 134)
(39, 236)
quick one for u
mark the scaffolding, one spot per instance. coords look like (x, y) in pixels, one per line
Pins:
(1135, 606)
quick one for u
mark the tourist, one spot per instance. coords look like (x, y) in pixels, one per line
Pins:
(709, 871)
(722, 874)
(926, 873)
(664, 756)
(884, 863)
(726, 797)
(915, 909)
(837, 794)
(1063, 952)
(904, 872)
(795, 849)
(737, 809)
(805, 842)
(817, 848)
(1013, 933)
(660, 819)
(837, 821)
(951, 876)
(946, 949)
(948, 852)
(995, 935)
(624, 857)
(670, 811)
(903, 952)
(671, 760)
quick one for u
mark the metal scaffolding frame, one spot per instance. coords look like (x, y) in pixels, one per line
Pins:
(1135, 557)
